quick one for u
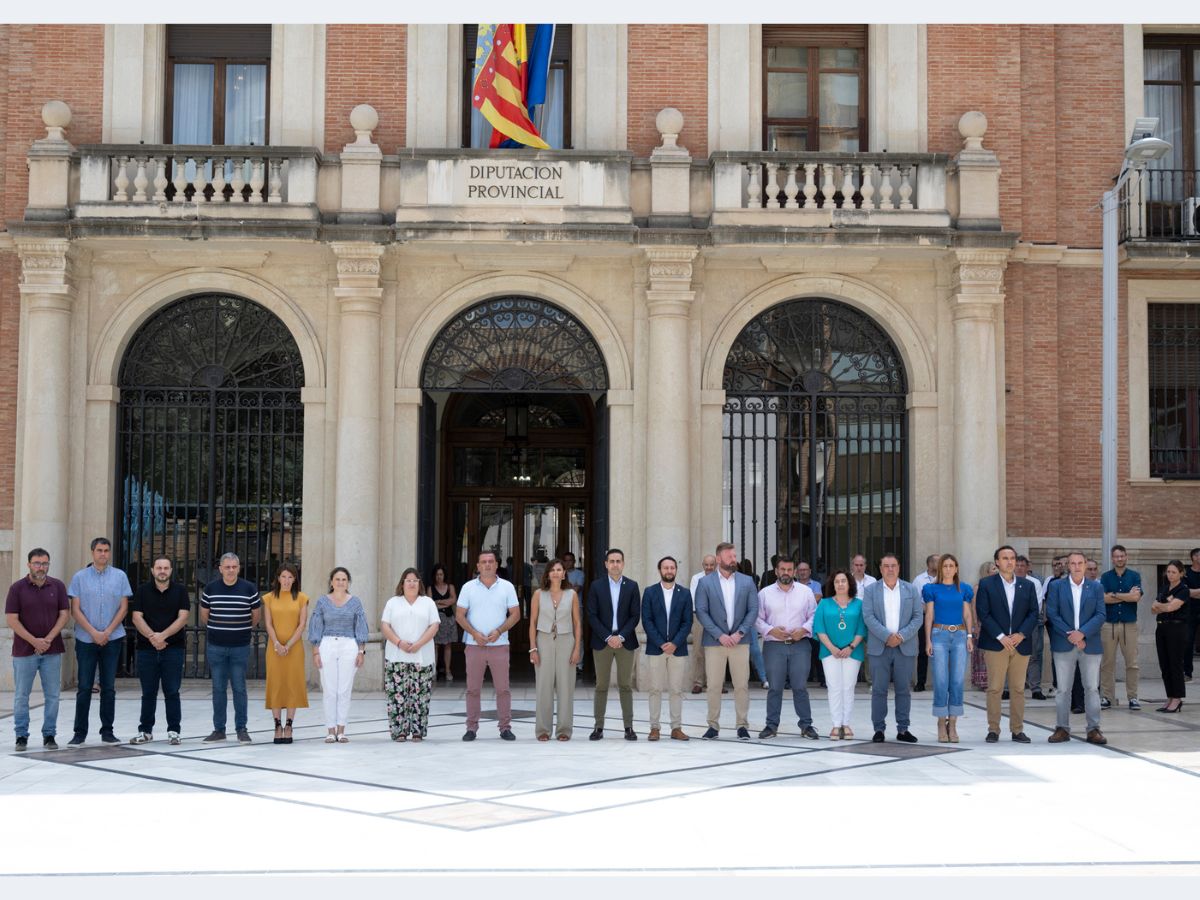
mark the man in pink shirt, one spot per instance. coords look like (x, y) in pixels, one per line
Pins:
(785, 621)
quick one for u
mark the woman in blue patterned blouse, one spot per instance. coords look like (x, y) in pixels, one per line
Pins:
(337, 631)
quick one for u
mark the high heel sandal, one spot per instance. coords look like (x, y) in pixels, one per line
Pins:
(278, 732)
(1167, 709)
(287, 732)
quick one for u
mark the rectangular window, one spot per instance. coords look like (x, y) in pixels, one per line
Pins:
(815, 87)
(1171, 66)
(1174, 356)
(217, 84)
(553, 118)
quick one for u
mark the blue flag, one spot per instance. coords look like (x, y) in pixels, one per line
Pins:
(539, 65)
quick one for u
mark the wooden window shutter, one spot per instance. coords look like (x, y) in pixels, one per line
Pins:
(814, 35)
(219, 41)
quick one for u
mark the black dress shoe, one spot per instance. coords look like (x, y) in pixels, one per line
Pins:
(1038, 695)
(877, 737)
(507, 735)
(711, 734)
(630, 734)
(1004, 696)
(469, 736)
(907, 736)
(597, 735)
(992, 737)
(1021, 738)
(918, 687)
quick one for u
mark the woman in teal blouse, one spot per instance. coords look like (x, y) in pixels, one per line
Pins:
(839, 626)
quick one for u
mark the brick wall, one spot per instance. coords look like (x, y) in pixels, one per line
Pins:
(38, 63)
(668, 66)
(365, 64)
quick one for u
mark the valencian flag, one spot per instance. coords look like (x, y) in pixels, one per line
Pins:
(511, 65)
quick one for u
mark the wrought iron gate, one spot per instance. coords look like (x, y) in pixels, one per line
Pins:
(814, 437)
(210, 450)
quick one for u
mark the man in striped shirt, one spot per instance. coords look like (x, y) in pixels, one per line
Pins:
(230, 608)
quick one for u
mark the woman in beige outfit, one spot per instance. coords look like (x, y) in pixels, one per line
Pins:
(554, 635)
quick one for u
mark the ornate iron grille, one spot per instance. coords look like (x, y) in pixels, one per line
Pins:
(512, 345)
(814, 437)
(1174, 350)
(211, 440)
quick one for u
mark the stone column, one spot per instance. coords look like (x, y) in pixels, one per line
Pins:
(43, 469)
(978, 423)
(356, 474)
(669, 297)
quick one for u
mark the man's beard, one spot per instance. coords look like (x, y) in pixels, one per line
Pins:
(668, 579)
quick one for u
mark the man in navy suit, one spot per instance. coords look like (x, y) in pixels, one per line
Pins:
(1075, 611)
(613, 609)
(1008, 612)
(667, 620)
(727, 607)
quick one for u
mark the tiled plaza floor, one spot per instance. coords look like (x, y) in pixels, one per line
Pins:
(704, 808)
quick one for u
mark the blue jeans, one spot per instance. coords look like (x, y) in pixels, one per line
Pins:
(788, 662)
(756, 657)
(949, 664)
(49, 667)
(155, 666)
(228, 667)
(89, 657)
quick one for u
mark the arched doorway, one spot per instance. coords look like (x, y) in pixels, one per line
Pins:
(514, 456)
(210, 446)
(814, 450)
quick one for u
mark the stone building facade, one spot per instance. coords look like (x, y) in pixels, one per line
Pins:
(813, 290)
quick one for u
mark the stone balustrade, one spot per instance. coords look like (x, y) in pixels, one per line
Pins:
(173, 180)
(829, 189)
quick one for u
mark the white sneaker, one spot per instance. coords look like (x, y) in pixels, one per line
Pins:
(142, 738)
(173, 738)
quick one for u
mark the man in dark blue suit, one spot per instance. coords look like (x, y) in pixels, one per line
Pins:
(1075, 611)
(1008, 610)
(667, 620)
(613, 610)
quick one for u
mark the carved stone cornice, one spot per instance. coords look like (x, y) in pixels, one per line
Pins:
(978, 282)
(358, 269)
(669, 291)
(47, 272)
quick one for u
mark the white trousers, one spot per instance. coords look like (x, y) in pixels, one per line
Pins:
(337, 678)
(840, 677)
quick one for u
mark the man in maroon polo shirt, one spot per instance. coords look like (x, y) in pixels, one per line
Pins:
(36, 611)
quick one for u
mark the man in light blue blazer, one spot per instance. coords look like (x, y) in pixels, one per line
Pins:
(893, 613)
(727, 606)
(1075, 613)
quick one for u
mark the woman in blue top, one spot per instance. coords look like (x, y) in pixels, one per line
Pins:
(838, 625)
(948, 640)
(338, 633)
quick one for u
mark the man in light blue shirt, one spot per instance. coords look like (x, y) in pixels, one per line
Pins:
(487, 609)
(99, 596)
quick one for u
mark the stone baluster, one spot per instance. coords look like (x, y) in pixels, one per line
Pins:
(122, 194)
(754, 188)
(810, 184)
(868, 188)
(827, 189)
(276, 182)
(789, 189)
(772, 198)
(256, 181)
(140, 181)
(905, 187)
(179, 182)
(886, 188)
(160, 179)
(218, 179)
(848, 187)
(238, 182)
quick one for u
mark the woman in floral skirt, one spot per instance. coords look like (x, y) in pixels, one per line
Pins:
(409, 623)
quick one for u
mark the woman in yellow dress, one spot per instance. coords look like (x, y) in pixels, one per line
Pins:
(285, 615)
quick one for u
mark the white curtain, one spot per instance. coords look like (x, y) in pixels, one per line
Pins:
(245, 104)
(1165, 101)
(192, 109)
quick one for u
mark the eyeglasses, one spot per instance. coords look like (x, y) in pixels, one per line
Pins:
(41, 565)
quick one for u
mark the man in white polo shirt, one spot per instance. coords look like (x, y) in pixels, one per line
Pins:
(487, 609)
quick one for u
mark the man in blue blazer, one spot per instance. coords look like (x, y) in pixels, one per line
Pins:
(727, 606)
(613, 608)
(1007, 607)
(893, 613)
(667, 620)
(1075, 611)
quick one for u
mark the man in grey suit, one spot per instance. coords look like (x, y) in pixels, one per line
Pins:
(893, 613)
(727, 605)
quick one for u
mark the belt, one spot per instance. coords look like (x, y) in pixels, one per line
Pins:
(950, 628)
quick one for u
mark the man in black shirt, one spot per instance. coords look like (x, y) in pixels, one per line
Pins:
(160, 613)
(1191, 578)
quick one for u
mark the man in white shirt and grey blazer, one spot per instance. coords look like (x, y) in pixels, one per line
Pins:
(893, 613)
(727, 607)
